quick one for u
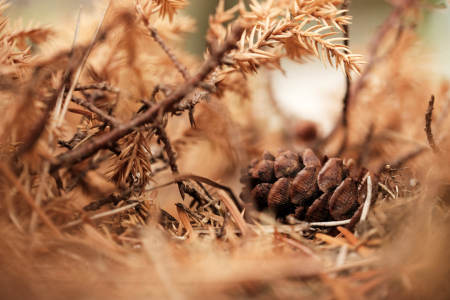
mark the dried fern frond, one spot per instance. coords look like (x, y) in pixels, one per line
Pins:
(133, 165)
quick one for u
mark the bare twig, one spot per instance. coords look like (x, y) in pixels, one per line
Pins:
(183, 70)
(428, 130)
(103, 86)
(109, 138)
(91, 107)
(96, 205)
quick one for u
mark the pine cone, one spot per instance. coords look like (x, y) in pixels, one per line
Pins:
(306, 190)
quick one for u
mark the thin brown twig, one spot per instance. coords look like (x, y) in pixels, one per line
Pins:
(102, 86)
(104, 116)
(168, 148)
(428, 130)
(109, 138)
(183, 70)
(96, 205)
(171, 155)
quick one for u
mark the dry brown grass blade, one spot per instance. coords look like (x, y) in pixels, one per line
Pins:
(13, 180)
(232, 208)
(301, 247)
(331, 240)
(184, 218)
(363, 250)
(80, 68)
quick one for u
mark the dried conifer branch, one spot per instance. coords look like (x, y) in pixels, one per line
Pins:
(324, 11)
(133, 165)
(273, 25)
(149, 115)
(428, 130)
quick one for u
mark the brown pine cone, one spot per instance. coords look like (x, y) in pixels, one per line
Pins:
(306, 190)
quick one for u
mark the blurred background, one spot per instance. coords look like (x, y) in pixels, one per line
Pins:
(302, 101)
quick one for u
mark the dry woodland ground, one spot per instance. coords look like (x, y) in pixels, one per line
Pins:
(121, 156)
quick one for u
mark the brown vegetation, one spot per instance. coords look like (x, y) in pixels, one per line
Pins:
(101, 136)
